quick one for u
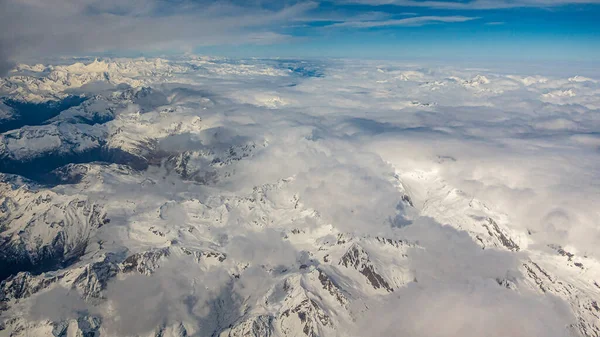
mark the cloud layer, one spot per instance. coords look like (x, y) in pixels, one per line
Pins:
(447, 182)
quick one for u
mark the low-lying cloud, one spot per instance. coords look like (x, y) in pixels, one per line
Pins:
(348, 153)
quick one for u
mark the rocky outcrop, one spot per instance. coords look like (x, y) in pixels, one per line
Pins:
(258, 326)
(356, 257)
(43, 231)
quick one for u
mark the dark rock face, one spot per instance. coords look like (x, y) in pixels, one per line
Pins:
(332, 288)
(95, 277)
(92, 279)
(259, 326)
(585, 308)
(356, 257)
(495, 231)
(408, 200)
(22, 286)
(146, 262)
(311, 316)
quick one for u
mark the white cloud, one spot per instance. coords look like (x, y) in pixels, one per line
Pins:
(32, 29)
(470, 311)
(476, 4)
(456, 293)
(341, 156)
(414, 21)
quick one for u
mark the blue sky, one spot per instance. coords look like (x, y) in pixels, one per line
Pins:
(560, 32)
(514, 30)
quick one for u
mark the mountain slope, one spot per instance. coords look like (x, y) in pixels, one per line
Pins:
(174, 199)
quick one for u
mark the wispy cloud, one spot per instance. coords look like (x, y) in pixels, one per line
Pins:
(476, 4)
(416, 21)
(34, 28)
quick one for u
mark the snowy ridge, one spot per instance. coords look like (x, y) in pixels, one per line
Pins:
(45, 228)
(50, 81)
(238, 198)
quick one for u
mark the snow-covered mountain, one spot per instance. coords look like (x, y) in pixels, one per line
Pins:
(166, 198)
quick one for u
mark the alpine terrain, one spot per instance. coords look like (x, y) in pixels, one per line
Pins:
(198, 196)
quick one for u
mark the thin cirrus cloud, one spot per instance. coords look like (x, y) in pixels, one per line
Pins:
(416, 21)
(30, 29)
(475, 5)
